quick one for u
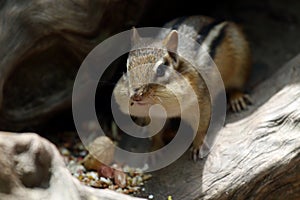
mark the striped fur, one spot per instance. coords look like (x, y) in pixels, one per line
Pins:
(225, 43)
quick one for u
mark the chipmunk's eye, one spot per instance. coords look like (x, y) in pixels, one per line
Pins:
(161, 70)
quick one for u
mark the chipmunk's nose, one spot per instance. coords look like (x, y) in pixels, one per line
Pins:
(138, 94)
(137, 97)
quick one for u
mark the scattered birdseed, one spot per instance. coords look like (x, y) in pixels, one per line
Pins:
(127, 180)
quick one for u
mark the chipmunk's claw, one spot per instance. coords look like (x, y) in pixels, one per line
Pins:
(200, 152)
(195, 154)
(239, 101)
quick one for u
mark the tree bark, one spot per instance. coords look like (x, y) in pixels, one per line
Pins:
(43, 43)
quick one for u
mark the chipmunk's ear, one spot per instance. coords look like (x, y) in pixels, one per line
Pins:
(135, 37)
(171, 41)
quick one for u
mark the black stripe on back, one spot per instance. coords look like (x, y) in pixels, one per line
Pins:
(178, 22)
(204, 31)
(217, 41)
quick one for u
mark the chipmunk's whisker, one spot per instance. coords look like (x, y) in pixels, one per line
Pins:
(159, 99)
(157, 94)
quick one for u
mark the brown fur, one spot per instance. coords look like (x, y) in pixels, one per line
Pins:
(232, 57)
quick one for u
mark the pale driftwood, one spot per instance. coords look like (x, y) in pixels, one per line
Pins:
(32, 168)
(256, 155)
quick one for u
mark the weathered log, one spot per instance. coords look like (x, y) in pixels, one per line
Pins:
(32, 168)
(255, 156)
(42, 44)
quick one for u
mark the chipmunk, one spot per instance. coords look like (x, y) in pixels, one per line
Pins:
(227, 47)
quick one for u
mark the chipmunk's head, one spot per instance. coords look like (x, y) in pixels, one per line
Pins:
(151, 75)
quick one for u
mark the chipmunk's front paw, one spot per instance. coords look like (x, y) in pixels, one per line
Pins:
(200, 152)
(239, 101)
